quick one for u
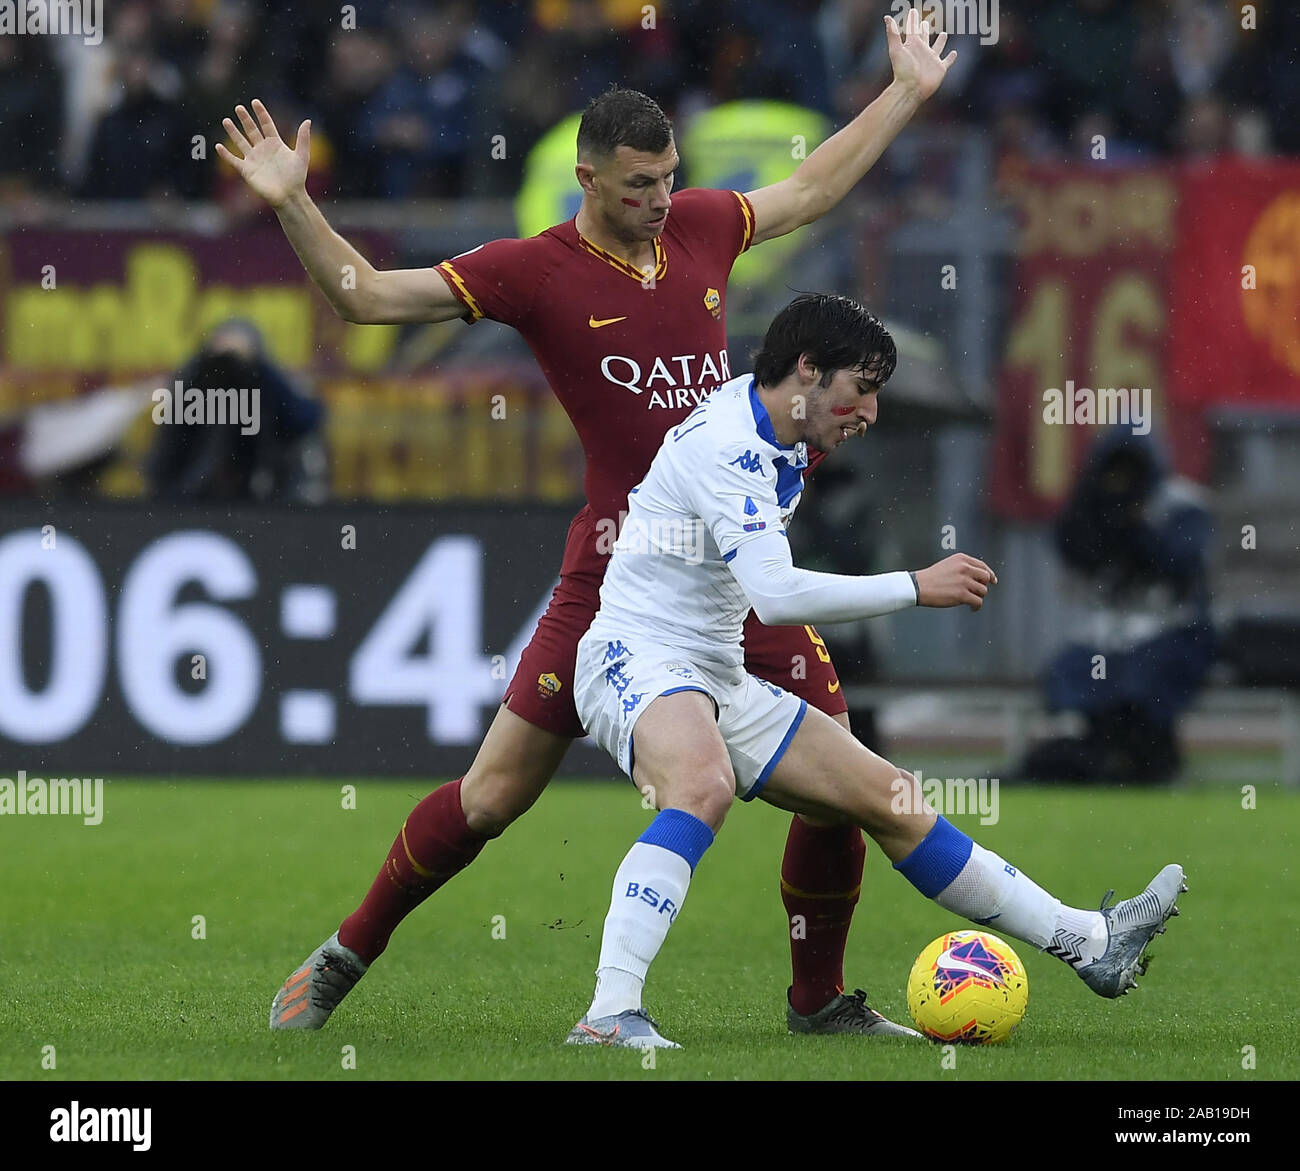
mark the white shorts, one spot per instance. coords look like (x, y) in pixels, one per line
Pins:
(616, 679)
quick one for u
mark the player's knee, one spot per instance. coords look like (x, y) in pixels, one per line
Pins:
(714, 801)
(708, 794)
(898, 799)
(493, 798)
(888, 795)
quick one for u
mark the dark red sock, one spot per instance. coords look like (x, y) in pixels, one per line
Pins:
(436, 843)
(821, 878)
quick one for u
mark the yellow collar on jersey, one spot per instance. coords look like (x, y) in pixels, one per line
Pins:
(637, 274)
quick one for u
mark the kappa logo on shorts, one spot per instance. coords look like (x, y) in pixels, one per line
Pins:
(616, 679)
(680, 670)
(548, 685)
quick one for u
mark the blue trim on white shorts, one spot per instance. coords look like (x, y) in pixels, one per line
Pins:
(757, 786)
(693, 687)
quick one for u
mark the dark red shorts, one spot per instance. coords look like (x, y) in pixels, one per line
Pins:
(793, 657)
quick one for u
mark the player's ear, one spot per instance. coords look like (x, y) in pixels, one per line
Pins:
(586, 174)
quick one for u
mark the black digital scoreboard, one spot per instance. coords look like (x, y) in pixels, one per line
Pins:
(207, 640)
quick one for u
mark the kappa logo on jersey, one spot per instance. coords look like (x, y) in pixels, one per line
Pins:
(548, 685)
(692, 380)
(751, 509)
(713, 303)
(749, 462)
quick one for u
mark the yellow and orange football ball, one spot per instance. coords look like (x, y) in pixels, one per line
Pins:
(968, 987)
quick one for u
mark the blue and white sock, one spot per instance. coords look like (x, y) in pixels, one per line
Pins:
(965, 878)
(649, 890)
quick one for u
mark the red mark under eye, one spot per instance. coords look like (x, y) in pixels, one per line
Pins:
(841, 411)
(632, 202)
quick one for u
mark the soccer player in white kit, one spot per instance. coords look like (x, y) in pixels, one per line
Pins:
(660, 680)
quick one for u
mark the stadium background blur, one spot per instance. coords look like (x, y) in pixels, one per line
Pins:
(1079, 202)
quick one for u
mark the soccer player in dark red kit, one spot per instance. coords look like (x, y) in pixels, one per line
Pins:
(624, 309)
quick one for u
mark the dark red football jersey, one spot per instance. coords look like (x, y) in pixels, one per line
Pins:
(627, 353)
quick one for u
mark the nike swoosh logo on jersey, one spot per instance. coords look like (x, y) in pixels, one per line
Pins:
(951, 963)
(833, 687)
(608, 321)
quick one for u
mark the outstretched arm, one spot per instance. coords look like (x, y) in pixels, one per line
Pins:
(279, 175)
(827, 175)
(782, 594)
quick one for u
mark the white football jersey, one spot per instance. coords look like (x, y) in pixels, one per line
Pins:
(719, 480)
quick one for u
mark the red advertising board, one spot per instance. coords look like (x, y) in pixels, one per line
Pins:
(1179, 285)
(1089, 302)
(1234, 337)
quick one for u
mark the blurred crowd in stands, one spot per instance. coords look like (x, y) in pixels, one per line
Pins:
(408, 103)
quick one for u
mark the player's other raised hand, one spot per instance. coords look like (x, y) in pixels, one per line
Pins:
(917, 63)
(268, 166)
(959, 580)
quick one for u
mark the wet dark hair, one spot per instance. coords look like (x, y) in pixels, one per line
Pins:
(622, 117)
(835, 332)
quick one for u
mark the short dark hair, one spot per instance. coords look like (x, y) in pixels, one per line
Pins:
(622, 117)
(837, 333)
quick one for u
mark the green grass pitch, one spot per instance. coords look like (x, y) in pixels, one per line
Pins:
(98, 955)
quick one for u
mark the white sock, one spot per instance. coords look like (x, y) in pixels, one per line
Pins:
(649, 889)
(993, 893)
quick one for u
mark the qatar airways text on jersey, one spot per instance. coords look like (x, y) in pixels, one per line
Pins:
(679, 380)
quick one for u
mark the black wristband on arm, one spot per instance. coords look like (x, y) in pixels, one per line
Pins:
(916, 585)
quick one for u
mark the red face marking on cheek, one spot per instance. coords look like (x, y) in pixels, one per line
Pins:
(840, 412)
(632, 202)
